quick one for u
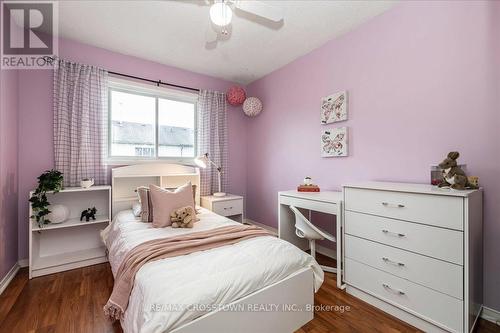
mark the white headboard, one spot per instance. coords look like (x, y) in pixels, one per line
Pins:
(125, 180)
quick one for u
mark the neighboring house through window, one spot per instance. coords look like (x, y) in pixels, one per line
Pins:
(147, 122)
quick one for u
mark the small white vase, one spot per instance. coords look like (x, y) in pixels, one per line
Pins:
(87, 183)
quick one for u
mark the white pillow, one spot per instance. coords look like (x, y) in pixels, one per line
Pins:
(137, 209)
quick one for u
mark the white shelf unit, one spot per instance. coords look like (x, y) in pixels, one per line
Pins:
(125, 181)
(73, 243)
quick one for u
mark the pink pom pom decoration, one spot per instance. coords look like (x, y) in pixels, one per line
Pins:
(252, 106)
(235, 95)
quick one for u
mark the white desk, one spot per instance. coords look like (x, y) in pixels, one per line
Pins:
(329, 202)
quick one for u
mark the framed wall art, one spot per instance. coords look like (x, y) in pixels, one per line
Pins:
(334, 142)
(334, 108)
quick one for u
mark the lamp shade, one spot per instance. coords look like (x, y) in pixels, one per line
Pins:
(202, 161)
(221, 14)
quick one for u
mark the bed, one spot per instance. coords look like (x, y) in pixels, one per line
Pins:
(262, 284)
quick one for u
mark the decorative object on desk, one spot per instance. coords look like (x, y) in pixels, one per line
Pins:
(308, 188)
(51, 180)
(58, 214)
(203, 161)
(334, 108)
(334, 142)
(236, 95)
(183, 217)
(88, 213)
(87, 182)
(453, 175)
(252, 106)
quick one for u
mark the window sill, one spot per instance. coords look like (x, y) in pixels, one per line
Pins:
(189, 161)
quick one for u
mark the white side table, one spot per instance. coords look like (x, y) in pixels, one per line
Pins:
(230, 206)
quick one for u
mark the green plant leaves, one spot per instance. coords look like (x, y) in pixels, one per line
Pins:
(51, 180)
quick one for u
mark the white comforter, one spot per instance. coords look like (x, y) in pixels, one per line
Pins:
(166, 292)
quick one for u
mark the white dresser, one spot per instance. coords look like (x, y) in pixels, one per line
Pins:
(415, 251)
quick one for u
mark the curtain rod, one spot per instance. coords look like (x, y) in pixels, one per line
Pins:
(158, 82)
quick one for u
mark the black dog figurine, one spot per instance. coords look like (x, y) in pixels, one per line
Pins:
(88, 213)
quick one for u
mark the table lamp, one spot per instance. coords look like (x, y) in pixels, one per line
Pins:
(202, 161)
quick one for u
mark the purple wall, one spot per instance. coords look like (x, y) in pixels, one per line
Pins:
(421, 82)
(36, 117)
(8, 170)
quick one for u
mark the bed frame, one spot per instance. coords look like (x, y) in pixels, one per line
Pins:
(293, 296)
(125, 180)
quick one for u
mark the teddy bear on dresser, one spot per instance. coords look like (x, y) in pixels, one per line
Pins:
(183, 217)
(453, 175)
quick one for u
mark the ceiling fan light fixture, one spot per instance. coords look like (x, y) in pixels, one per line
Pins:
(221, 14)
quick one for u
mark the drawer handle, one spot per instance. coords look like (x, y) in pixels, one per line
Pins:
(385, 231)
(386, 286)
(389, 261)
(386, 204)
(226, 208)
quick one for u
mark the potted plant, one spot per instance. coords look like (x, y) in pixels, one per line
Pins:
(49, 181)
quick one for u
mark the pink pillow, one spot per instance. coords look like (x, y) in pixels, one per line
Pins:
(165, 202)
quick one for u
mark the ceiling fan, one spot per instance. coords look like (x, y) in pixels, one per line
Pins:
(221, 14)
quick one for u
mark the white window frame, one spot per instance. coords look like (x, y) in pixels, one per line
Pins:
(144, 89)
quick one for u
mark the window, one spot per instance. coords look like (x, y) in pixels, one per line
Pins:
(150, 123)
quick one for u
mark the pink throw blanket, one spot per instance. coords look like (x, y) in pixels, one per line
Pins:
(162, 248)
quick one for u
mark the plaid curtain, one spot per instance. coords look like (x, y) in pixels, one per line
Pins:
(212, 139)
(80, 122)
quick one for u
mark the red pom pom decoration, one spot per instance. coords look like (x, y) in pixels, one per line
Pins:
(236, 95)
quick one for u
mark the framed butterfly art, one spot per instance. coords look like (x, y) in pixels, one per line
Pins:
(334, 142)
(334, 108)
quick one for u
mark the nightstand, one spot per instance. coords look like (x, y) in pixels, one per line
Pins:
(230, 206)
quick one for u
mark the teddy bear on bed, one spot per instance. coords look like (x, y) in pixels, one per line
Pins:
(453, 175)
(183, 217)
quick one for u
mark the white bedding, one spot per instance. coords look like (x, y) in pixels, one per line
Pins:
(165, 290)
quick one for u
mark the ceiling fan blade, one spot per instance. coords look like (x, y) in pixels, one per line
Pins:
(260, 8)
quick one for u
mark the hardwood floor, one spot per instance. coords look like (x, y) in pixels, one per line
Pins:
(67, 302)
(72, 301)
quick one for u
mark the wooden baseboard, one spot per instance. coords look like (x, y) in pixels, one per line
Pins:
(320, 249)
(265, 226)
(8, 277)
(23, 263)
(490, 315)
(327, 252)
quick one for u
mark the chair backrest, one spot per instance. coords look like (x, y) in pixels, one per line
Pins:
(305, 229)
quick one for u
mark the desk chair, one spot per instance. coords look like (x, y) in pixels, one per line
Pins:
(305, 229)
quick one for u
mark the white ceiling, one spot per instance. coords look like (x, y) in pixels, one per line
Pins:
(173, 32)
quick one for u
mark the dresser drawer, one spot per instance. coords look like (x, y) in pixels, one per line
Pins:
(432, 273)
(435, 242)
(423, 302)
(228, 208)
(442, 211)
